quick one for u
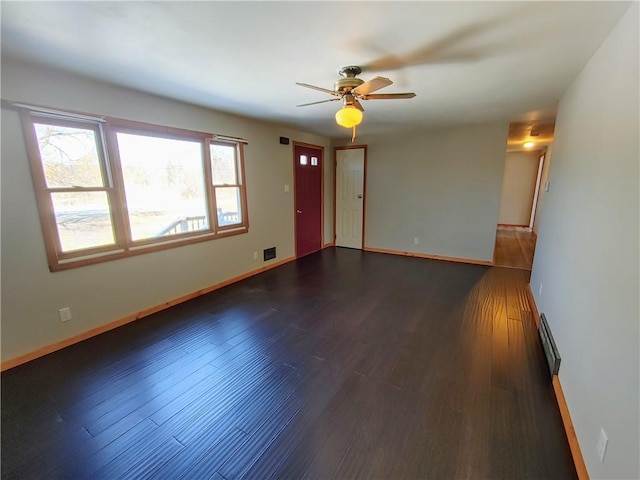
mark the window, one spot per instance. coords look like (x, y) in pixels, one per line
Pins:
(164, 185)
(113, 188)
(75, 184)
(226, 184)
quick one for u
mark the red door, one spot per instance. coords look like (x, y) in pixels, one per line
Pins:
(308, 201)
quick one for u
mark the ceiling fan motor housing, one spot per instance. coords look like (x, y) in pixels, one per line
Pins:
(349, 80)
(347, 84)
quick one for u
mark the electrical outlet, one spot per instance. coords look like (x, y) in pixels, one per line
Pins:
(416, 240)
(603, 440)
(255, 255)
(65, 314)
(540, 289)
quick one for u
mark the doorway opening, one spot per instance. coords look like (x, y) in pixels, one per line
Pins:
(525, 180)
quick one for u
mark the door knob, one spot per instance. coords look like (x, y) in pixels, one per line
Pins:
(359, 196)
(298, 211)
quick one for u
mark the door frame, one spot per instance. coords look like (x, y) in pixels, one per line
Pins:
(364, 190)
(295, 217)
(534, 208)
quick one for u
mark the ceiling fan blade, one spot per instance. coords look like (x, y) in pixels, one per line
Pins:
(384, 63)
(357, 104)
(321, 101)
(455, 47)
(371, 86)
(387, 96)
(320, 89)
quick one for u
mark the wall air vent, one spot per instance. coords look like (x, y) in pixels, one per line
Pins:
(549, 346)
(269, 253)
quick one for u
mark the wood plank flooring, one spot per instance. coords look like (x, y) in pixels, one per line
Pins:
(343, 364)
(514, 248)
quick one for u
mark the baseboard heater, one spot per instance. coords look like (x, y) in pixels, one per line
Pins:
(549, 346)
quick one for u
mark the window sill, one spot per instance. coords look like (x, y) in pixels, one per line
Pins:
(118, 253)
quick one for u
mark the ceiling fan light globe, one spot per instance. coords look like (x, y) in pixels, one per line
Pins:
(348, 116)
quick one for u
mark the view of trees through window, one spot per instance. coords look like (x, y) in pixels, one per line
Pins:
(73, 173)
(164, 185)
(225, 181)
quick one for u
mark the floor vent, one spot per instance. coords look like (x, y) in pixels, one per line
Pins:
(269, 253)
(549, 346)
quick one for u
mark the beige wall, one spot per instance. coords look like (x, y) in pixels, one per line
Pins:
(441, 186)
(587, 257)
(98, 294)
(518, 187)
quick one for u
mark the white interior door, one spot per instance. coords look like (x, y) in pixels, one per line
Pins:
(350, 168)
(521, 171)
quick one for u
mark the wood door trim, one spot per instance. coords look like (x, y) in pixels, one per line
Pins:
(335, 194)
(364, 190)
(364, 197)
(572, 438)
(53, 347)
(295, 217)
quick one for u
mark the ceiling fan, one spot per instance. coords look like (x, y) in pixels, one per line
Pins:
(351, 90)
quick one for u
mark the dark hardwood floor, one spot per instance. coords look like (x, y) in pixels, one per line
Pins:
(343, 364)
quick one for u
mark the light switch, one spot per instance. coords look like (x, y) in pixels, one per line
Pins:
(286, 189)
(602, 445)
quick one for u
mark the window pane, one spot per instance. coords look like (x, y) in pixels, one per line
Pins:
(164, 185)
(223, 164)
(69, 156)
(83, 220)
(303, 160)
(314, 161)
(228, 202)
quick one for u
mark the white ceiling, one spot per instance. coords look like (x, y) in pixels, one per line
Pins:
(466, 61)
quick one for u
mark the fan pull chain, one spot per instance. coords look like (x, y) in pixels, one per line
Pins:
(353, 135)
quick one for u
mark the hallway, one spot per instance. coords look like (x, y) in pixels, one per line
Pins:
(514, 248)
